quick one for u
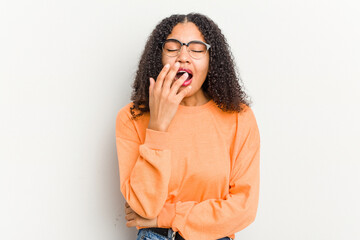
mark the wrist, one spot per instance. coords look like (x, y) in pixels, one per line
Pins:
(157, 127)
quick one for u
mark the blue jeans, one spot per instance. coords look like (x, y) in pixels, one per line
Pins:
(146, 234)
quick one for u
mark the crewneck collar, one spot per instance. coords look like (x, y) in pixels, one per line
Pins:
(195, 109)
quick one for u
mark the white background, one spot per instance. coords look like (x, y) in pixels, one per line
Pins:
(66, 68)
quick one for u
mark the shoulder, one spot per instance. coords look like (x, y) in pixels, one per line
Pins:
(125, 118)
(246, 113)
(125, 126)
(124, 114)
(246, 118)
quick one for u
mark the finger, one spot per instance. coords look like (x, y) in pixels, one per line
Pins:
(171, 75)
(178, 83)
(128, 210)
(183, 93)
(151, 86)
(130, 216)
(131, 223)
(160, 78)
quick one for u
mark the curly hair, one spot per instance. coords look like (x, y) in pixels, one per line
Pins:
(222, 83)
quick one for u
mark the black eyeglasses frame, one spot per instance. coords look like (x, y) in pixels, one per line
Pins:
(186, 44)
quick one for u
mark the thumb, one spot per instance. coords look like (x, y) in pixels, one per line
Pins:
(184, 92)
(151, 84)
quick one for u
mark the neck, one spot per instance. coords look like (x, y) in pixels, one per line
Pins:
(197, 99)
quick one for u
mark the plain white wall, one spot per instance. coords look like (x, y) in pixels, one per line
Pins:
(66, 68)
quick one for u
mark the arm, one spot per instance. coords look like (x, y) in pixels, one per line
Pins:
(216, 218)
(144, 169)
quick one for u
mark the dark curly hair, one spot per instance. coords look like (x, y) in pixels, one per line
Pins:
(222, 83)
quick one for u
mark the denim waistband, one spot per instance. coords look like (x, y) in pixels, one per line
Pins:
(147, 234)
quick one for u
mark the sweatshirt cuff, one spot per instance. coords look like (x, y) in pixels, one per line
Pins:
(157, 139)
(166, 216)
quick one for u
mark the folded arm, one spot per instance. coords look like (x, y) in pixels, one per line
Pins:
(144, 168)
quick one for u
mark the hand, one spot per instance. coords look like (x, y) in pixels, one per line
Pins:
(164, 98)
(135, 220)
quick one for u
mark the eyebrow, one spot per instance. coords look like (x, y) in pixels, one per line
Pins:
(189, 41)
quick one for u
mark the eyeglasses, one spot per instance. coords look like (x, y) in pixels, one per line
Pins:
(197, 49)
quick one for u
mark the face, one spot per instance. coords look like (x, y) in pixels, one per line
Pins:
(186, 32)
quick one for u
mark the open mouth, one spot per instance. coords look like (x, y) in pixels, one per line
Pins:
(180, 73)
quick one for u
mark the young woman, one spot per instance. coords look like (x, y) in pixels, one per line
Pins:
(188, 144)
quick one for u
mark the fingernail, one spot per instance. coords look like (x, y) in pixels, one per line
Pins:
(167, 65)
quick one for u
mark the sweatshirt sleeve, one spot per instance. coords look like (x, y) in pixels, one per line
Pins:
(144, 168)
(215, 218)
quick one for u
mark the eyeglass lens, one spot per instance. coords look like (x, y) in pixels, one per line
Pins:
(196, 49)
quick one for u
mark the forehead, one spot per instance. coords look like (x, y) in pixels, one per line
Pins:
(186, 32)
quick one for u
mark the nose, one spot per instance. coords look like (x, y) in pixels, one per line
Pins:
(183, 54)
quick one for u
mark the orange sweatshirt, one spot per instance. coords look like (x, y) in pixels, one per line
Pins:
(200, 178)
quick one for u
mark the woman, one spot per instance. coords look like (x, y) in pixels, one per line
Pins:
(188, 144)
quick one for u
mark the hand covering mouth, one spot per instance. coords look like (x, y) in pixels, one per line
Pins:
(181, 71)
